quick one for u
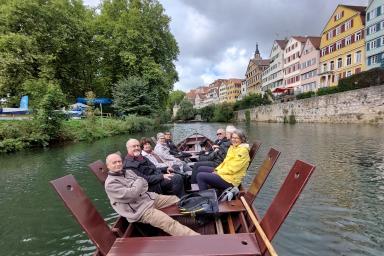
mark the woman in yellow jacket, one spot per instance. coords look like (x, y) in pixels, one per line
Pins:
(231, 171)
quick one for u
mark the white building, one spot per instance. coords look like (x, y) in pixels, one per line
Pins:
(292, 54)
(273, 76)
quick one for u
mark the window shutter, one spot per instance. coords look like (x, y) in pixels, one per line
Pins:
(378, 41)
(351, 23)
(367, 46)
(352, 39)
(342, 28)
(327, 36)
(377, 26)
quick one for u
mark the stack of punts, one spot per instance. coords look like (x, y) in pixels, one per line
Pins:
(236, 230)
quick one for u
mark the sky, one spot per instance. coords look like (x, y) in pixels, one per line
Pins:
(217, 38)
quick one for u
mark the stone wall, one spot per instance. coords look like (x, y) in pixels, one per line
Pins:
(357, 106)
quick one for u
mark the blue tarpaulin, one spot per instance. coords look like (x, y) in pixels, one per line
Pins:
(96, 101)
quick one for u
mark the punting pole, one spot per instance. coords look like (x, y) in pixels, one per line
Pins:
(267, 243)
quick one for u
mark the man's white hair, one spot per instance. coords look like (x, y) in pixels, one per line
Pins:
(160, 134)
(129, 141)
(108, 159)
(230, 128)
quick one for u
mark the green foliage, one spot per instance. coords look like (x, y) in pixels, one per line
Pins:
(175, 97)
(207, 113)
(252, 100)
(327, 90)
(247, 114)
(85, 50)
(186, 111)
(134, 96)
(48, 117)
(223, 112)
(305, 95)
(364, 79)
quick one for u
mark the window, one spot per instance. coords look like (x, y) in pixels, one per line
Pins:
(332, 65)
(349, 73)
(338, 45)
(338, 30)
(371, 29)
(382, 25)
(349, 59)
(330, 34)
(325, 67)
(357, 36)
(358, 57)
(330, 48)
(372, 44)
(338, 16)
(348, 40)
(339, 62)
(374, 59)
(323, 51)
(348, 24)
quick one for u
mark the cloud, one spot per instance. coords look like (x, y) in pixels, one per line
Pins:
(217, 37)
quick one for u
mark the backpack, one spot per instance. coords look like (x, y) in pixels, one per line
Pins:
(229, 194)
(199, 203)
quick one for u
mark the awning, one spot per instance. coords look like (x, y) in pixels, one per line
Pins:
(96, 101)
(279, 90)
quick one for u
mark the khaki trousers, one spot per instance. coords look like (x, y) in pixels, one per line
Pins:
(161, 220)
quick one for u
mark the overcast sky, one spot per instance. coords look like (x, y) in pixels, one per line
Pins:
(218, 37)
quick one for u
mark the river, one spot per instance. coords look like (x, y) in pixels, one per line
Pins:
(340, 212)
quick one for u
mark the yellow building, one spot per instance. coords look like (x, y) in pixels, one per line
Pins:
(342, 51)
(233, 89)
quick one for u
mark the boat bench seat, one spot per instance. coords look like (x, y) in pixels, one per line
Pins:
(227, 244)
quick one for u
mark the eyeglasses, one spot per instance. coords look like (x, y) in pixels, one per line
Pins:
(235, 138)
(218, 134)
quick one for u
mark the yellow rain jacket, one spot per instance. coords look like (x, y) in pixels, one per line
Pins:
(235, 164)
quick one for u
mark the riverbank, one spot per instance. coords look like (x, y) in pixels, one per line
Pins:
(16, 135)
(358, 106)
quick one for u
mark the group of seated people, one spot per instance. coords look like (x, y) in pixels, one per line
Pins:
(151, 179)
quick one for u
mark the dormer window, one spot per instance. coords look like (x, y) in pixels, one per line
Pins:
(338, 16)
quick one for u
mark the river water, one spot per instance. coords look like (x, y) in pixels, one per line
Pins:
(340, 212)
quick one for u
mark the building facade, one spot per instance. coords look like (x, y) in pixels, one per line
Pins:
(374, 40)
(273, 76)
(223, 92)
(342, 51)
(243, 89)
(233, 89)
(291, 66)
(255, 69)
(309, 65)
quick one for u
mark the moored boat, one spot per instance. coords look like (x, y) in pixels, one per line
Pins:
(231, 232)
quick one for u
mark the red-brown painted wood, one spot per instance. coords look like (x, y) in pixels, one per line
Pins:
(99, 169)
(283, 202)
(228, 244)
(84, 212)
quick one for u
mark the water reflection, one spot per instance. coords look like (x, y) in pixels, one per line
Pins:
(339, 213)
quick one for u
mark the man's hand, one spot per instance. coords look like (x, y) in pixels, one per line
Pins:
(215, 146)
(167, 176)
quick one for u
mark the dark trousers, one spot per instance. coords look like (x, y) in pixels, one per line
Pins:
(199, 164)
(207, 178)
(174, 186)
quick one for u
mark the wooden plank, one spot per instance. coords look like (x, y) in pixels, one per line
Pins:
(237, 244)
(231, 227)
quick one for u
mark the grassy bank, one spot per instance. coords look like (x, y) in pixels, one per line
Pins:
(17, 135)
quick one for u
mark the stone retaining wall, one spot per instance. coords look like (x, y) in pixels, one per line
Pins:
(357, 106)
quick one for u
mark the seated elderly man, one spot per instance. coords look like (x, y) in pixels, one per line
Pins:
(129, 197)
(173, 150)
(168, 183)
(162, 150)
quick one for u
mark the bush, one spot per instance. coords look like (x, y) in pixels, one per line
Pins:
(364, 79)
(305, 95)
(252, 100)
(327, 90)
(247, 116)
(223, 112)
(186, 111)
(207, 112)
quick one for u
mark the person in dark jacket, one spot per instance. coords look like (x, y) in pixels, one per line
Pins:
(217, 156)
(167, 183)
(173, 150)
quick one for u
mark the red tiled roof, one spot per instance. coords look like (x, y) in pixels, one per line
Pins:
(315, 40)
(355, 7)
(300, 38)
(282, 43)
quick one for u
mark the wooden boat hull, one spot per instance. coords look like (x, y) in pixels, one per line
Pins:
(195, 143)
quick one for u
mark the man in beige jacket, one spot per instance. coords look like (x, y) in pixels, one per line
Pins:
(129, 197)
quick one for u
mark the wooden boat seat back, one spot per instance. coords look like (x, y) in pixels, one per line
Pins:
(84, 212)
(285, 198)
(99, 169)
(252, 152)
(226, 244)
(262, 175)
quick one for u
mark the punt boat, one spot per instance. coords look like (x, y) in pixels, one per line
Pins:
(236, 230)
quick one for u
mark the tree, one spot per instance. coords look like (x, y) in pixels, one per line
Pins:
(137, 42)
(186, 111)
(175, 97)
(133, 96)
(207, 112)
(223, 112)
